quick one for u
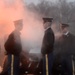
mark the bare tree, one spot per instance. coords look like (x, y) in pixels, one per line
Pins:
(61, 11)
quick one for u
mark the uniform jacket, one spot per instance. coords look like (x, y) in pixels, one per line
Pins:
(48, 42)
(66, 45)
(13, 43)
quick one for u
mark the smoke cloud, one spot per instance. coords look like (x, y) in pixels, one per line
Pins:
(32, 33)
(11, 10)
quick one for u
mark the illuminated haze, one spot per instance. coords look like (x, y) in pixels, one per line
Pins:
(11, 10)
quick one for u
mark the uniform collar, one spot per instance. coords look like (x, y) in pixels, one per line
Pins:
(66, 33)
(47, 28)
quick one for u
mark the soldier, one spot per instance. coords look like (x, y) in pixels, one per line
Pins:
(13, 48)
(67, 49)
(47, 47)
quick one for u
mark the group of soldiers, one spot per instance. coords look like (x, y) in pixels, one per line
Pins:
(51, 50)
(61, 51)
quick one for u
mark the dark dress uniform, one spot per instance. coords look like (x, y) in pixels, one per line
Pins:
(13, 48)
(65, 49)
(47, 48)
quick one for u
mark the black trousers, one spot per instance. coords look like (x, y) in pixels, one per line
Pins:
(67, 65)
(13, 64)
